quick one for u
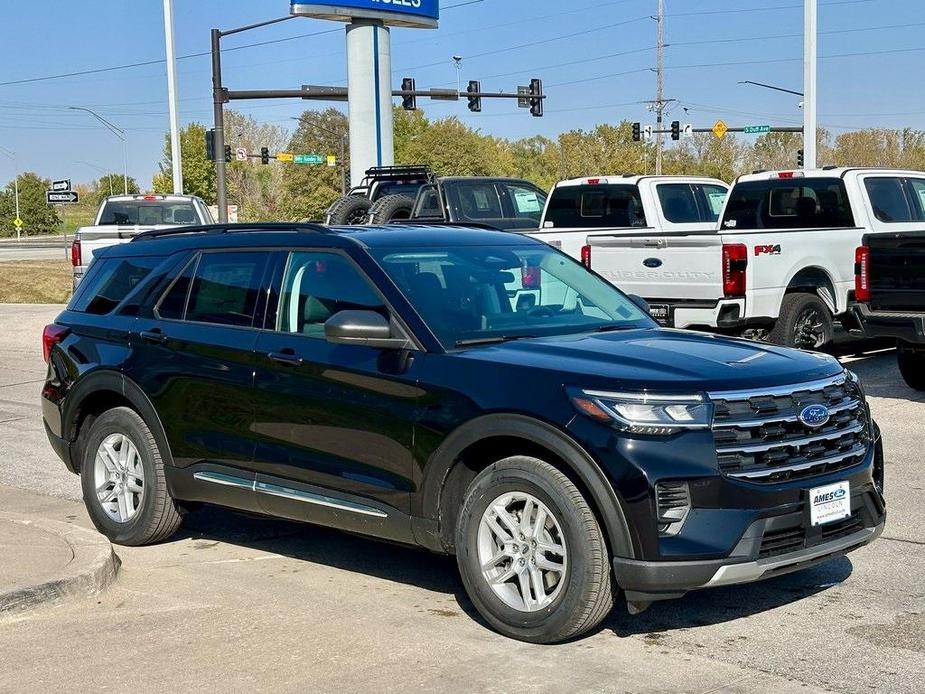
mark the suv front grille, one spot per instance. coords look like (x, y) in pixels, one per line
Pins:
(760, 438)
(793, 539)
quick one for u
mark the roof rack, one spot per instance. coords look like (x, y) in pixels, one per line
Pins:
(214, 229)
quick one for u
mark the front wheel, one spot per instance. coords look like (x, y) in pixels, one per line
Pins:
(912, 367)
(804, 322)
(531, 553)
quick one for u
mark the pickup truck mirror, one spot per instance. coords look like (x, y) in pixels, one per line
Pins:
(366, 328)
(639, 301)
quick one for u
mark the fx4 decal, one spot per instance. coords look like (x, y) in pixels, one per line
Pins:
(768, 250)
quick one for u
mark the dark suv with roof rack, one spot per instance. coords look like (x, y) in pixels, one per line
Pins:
(469, 391)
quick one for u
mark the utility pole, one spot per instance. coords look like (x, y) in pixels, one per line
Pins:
(175, 151)
(809, 84)
(659, 84)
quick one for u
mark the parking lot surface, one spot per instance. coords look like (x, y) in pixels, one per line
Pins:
(235, 603)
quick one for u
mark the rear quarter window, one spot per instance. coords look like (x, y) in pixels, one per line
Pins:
(109, 281)
(595, 206)
(789, 203)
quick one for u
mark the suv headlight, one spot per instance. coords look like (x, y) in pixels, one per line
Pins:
(645, 413)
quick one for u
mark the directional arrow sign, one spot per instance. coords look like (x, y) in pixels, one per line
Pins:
(67, 196)
(59, 186)
(719, 129)
(755, 129)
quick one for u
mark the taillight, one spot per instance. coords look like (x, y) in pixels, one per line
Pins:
(586, 256)
(75, 253)
(52, 335)
(862, 273)
(735, 260)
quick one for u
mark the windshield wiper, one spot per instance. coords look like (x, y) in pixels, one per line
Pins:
(490, 340)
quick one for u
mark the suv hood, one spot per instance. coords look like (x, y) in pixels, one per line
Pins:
(660, 360)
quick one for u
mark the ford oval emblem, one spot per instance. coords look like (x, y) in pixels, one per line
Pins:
(652, 262)
(815, 415)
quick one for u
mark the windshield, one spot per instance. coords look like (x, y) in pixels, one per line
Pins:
(473, 293)
(788, 203)
(595, 206)
(148, 213)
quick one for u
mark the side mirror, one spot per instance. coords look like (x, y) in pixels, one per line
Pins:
(639, 301)
(366, 328)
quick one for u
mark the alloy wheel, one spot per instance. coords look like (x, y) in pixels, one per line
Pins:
(522, 552)
(119, 478)
(809, 330)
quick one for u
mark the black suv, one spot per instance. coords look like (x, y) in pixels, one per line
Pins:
(469, 391)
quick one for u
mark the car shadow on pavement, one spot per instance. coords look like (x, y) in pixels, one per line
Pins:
(726, 604)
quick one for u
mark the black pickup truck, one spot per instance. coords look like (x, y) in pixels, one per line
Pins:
(890, 296)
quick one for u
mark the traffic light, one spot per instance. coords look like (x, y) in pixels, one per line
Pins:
(536, 98)
(675, 130)
(637, 132)
(409, 102)
(210, 144)
(475, 102)
(227, 152)
(264, 155)
(799, 158)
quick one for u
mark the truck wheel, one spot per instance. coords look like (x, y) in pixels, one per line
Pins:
(531, 553)
(912, 367)
(349, 209)
(390, 208)
(804, 322)
(122, 478)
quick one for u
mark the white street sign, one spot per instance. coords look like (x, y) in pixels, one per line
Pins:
(647, 133)
(688, 131)
(240, 154)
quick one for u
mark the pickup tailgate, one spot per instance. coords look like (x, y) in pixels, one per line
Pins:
(668, 267)
(97, 237)
(897, 271)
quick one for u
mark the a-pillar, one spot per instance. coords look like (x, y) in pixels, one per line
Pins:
(369, 82)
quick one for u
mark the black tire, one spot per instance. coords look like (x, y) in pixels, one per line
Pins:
(157, 516)
(912, 367)
(391, 208)
(804, 322)
(586, 595)
(349, 209)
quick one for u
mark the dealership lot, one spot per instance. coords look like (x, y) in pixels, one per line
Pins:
(269, 605)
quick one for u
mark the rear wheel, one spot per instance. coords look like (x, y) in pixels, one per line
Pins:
(349, 209)
(122, 478)
(531, 553)
(912, 367)
(391, 208)
(804, 322)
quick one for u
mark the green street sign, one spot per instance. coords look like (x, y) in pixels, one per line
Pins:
(311, 159)
(756, 129)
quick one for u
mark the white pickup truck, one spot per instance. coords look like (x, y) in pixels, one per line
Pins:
(781, 267)
(580, 208)
(122, 217)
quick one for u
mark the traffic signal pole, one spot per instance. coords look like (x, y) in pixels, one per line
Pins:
(218, 103)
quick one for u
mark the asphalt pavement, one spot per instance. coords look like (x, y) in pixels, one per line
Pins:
(236, 603)
(35, 248)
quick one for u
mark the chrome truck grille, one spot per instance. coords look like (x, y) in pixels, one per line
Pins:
(761, 437)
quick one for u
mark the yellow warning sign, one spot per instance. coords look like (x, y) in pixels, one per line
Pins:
(285, 156)
(18, 223)
(719, 129)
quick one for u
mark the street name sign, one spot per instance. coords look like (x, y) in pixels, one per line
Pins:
(755, 129)
(62, 185)
(313, 159)
(54, 197)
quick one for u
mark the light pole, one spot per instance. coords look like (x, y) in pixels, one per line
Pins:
(176, 161)
(101, 170)
(809, 84)
(12, 155)
(343, 149)
(118, 132)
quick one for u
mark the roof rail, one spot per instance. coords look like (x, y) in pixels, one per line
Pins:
(758, 171)
(424, 222)
(213, 229)
(829, 167)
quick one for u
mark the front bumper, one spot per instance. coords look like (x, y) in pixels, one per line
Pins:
(908, 327)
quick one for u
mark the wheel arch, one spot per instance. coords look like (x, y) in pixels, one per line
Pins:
(103, 390)
(484, 440)
(816, 280)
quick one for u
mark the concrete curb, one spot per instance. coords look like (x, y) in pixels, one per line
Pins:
(92, 568)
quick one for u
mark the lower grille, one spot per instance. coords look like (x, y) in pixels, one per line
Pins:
(793, 539)
(760, 436)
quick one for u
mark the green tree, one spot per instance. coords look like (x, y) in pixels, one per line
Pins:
(110, 184)
(255, 188)
(308, 191)
(38, 216)
(198, 171)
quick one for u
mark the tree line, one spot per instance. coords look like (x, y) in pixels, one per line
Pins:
(284, 191)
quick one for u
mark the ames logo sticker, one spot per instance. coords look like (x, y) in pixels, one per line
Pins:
(826, 497)
(768, 249)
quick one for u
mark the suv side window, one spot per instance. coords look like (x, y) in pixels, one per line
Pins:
(226, 287)
(888, 199)
(112, 280)
(316, 285)
(478, 201)
(173, 304)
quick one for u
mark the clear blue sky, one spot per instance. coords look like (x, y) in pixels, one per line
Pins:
(594, 57)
